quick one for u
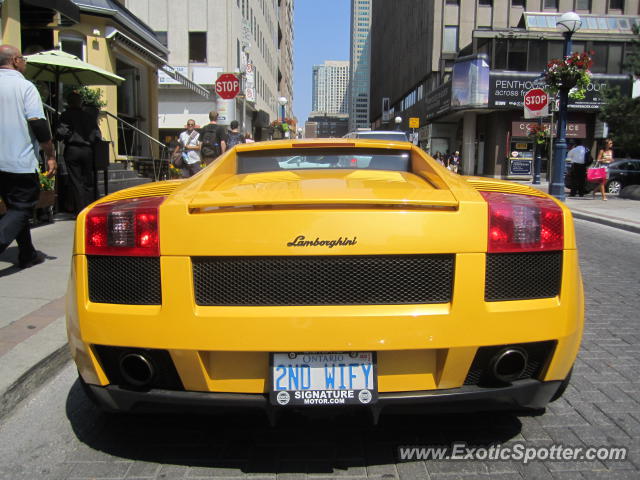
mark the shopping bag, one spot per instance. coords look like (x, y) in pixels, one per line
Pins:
(596, 174)
(177, 160)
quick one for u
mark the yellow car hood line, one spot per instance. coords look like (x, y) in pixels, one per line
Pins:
(334, 189)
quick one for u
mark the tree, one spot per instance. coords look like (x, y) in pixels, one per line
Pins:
(622, 114)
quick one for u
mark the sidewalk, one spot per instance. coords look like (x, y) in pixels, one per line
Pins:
(615, 212)
(32, 328)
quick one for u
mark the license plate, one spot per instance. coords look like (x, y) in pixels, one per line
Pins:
(323, 378)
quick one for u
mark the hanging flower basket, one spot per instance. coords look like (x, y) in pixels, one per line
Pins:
(539, 133)
(573, 73)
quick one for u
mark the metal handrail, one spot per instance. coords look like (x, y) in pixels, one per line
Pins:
(124, 122)
(164, 156)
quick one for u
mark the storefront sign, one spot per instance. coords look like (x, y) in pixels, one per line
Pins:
(520, 167)
(507, 89)
(574, 129)
(438, 101)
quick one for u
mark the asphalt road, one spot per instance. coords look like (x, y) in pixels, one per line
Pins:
(57, 433)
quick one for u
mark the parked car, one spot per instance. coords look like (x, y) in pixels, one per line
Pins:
(621, 172)
(276, 278)
(391, 135)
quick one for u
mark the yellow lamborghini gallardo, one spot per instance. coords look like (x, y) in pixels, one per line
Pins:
(325, 274)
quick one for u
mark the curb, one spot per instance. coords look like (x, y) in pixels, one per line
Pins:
(32, 379)
(619, 224)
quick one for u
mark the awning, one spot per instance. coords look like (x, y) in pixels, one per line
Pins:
(118, 37)
(64, 7)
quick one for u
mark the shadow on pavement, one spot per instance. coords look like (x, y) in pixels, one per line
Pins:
(298, 443)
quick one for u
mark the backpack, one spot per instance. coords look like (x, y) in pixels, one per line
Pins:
(234, 139)
(210, 146)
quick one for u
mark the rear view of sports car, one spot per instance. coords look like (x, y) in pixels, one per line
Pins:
(322, 275)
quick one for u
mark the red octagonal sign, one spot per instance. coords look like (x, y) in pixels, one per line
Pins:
(536, 99)
(227, 86)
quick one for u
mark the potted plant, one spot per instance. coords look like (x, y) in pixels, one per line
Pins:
(47, 196)
(572, 72)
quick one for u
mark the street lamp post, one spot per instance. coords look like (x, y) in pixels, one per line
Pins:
(282, 101)
(398, 121)
(568, 24)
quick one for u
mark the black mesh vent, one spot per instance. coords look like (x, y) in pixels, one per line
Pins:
(522, 276)
(165, 375)
(538, 354)
(323, 280)
(124, 280)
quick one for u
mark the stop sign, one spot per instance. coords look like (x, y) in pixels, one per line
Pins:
(227, 86)
(536, 99)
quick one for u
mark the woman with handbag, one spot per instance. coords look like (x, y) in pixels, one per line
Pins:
(605, 157)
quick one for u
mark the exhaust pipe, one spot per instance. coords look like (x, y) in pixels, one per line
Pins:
(508, 364)
(136, 369)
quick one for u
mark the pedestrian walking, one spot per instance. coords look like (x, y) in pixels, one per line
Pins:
(24, 130)
(578, 172)
(605, 157)
(454, 162)
(234, 136)
(213, 138)
(79, 131)
(189, 147)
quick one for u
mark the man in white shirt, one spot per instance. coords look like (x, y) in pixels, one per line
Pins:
(23, 132)
(190, 143)
(578, 172)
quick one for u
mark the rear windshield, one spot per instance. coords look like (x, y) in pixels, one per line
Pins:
(303, 159)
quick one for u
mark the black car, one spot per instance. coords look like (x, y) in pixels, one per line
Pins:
(622, 172)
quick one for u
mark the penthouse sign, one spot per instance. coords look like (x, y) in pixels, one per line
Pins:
(507, 89)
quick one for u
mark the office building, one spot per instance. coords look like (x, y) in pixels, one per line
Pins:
(252, 38)
(330, 87)
(359, 64)
(463, 66)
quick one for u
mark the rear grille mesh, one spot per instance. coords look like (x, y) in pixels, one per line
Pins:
(323, 280)
(124, 280)
(522, 276)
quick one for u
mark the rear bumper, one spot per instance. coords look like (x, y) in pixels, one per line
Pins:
(522, 394)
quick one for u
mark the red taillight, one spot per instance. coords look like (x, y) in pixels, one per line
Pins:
(125, 227)
(520, 223)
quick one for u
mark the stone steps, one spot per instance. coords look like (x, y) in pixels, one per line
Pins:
(119, 177)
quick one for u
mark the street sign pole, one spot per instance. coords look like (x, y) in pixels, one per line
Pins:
(536, 105)
(537, 160)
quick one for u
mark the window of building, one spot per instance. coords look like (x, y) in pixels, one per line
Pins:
(487, 3)
(614, 61)
(583, 4)
(600, 62)
(551, 4)
(500, 54)
(616, 4)
(453, 2)
(555, 49)
(73, 43)
(450, 39)
(198, 47)
(517, 56)
(162, 38)
(518, 3)
(537, 55)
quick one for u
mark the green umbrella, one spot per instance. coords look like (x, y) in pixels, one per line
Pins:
(58, 66)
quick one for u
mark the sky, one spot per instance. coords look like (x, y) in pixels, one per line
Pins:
(321, 32)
